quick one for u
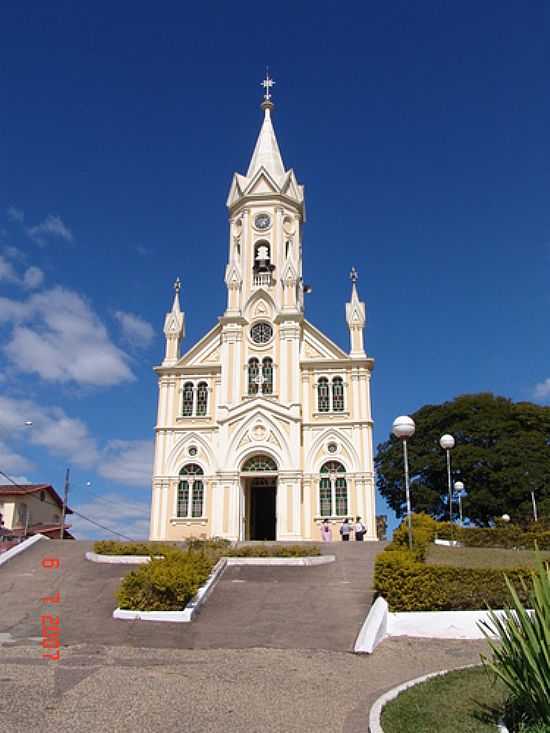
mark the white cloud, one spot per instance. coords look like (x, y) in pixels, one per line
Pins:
(7, 272)
(33, 278)
(134, 329)
(542, 390)
(58, 336)
(11, 461)
(51, 428)
(52, 227)
(15, 214)
(128, 462)
(130, 518)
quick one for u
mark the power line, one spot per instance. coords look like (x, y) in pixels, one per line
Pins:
(78, 514)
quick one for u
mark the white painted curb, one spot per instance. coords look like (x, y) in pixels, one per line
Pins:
(21, 547)
(381, 624)
(120, 559)
(301, 561)
(374, 629)
(376, 710)
(449, 543)
(187, 613)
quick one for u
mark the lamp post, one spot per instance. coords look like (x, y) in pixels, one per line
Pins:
(535, 513)
(403, 428)
(505, 518)
(459, 489)
(447, 442)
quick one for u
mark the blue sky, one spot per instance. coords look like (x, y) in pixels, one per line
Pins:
(419, 130)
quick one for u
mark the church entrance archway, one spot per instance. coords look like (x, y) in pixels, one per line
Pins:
(263, 509)
(259, 479)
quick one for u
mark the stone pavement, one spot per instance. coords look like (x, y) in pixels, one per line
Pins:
(267, 655)
(319, 607)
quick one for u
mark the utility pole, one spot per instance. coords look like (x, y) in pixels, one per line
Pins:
(534, 501)
(65, 496)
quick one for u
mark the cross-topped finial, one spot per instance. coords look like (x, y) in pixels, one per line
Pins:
(353, 276)
(267, 83)
(177, 285)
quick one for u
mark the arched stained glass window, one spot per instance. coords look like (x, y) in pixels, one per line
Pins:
(338, 394)
(259, 463)
(333, 490)
(323, 398)
(202, 398)
(253, 374)
(188, 399)
(191, 491)
(267, 374)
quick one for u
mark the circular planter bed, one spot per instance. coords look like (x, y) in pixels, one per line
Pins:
(464, 700)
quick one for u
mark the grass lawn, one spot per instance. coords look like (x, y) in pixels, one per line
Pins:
(462, 701)
(480, 557)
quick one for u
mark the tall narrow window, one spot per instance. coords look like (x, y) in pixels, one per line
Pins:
(191, 491)
(333, 490)
(202, 398)
(253, 374)
(267, 374)
(323, 395)
(338, 394)
(325, 497)
(188, 399)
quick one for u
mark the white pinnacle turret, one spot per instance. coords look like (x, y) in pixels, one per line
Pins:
(266, 153)
(356, 319)
(174, 328)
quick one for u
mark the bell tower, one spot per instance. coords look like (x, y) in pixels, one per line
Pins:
(266, 214)
(266, 217)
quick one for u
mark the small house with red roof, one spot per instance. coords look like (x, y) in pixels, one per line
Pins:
(29, 509)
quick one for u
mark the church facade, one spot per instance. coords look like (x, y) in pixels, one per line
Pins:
(264, 427)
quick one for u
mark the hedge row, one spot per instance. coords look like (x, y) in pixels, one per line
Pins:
(510, 537)
(113, 547)
(409, 585)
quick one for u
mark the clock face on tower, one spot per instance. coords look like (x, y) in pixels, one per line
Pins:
(262, 221)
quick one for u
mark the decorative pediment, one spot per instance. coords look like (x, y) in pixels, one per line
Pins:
(289, 274)
(205, 351)
(317, 346)
(233, 276)
(261, 182)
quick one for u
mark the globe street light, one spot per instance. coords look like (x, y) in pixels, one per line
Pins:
(505, 518)
(403, 428)
(459, 490)
(447, 442)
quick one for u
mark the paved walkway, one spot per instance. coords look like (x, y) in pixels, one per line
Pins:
(267, 655)
(319, 607)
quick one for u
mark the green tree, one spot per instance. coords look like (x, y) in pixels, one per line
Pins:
(502, 452)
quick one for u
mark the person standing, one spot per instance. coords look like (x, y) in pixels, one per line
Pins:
(326, 531)
(345, 530)
(359, 529)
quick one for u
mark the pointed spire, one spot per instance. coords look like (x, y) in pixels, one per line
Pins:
(174, 328)
(356, 318)
(267, 153)
(176, 304)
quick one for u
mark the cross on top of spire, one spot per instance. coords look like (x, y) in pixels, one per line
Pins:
(353, 276)
(177, 285)
(267, 83)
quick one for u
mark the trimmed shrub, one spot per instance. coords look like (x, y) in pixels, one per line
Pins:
(165, 585)
(508, 537)
(409, 585)
(274, 551)
(113, 547)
